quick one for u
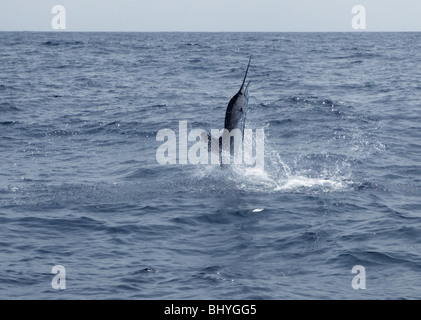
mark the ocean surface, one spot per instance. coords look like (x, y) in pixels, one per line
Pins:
(81, 187)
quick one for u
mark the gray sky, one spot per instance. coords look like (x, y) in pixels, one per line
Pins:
(210, 15)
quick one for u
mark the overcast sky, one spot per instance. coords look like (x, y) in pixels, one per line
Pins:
(210, 15)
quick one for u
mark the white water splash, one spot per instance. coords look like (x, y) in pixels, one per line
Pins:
(279, 177)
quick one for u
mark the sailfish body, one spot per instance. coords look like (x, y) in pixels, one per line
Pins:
(235, 119)
(235, 116)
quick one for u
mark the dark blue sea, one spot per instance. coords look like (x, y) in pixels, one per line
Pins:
(81, 187)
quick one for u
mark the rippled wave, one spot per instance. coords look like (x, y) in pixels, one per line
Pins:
(80, 185)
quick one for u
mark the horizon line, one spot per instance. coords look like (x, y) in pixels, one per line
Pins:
(181, 31)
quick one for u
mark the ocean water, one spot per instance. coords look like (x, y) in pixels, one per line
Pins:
(80, 185)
